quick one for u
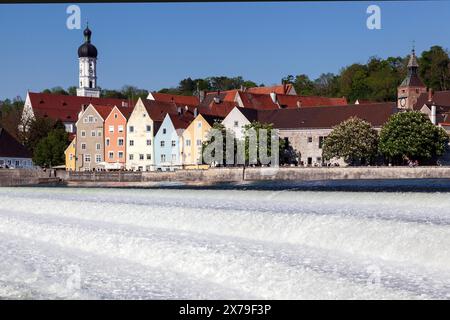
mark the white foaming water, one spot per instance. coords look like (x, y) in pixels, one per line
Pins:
(223, 244)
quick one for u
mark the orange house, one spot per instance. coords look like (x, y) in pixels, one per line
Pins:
(115, 137)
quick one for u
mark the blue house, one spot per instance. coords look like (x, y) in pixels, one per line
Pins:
(168, 142)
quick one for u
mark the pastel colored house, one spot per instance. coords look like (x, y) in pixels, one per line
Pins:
(146, 116)
(169, 142)
(70, 154)
(90, 142)
(193, 137)
(115, 137)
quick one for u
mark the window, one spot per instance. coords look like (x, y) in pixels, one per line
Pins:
(309, 139)
(162, 143)
(83, 146)
(120, 154)
(148, 128)
(99, 133)
(149, 156)
(309, 161)
(164, 131)
(130, 156)
(141, 157)
(174, 157)
(319, 160)
(321, 139)
(98, 158)
(111, 155)
(236, 124)
(17, 163)
(111, 128)
(92, 133)
(70, 157)
(131, 128)
(85, 120)
(115, 115)
(143, 115)
(199, 124)
(83, 133)
(199, 142)
(131, 142)
(120, 128)
(90, 119)
(97, 146)
(188, 143)
(120, 141)
(90, 84)
(107, 141)
(87, 158)
(163, 157)
(149, 142)
(173, 143)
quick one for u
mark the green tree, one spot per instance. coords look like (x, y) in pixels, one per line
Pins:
(50, 150)
(38, 129)
(435, 68)
(411, 136)
(207, 146)
(354, 140)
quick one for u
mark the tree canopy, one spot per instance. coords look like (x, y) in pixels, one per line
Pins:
(411, 136)
(50, 150)
(354, 140)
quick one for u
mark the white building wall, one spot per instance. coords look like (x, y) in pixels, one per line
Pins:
(139, 120)
(235, 121)
(16, 162)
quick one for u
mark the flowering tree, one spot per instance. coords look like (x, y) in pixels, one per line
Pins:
(354, 140)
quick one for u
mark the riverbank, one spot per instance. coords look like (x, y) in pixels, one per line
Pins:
(220, 176)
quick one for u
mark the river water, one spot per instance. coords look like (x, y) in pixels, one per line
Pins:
(226, 243)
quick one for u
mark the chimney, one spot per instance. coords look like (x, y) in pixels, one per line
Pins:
(195, 112)
(430, 95)
(179, 110)
(433, 114)
(273, 95)
(216, 99)
(299, 104)
(124, 104)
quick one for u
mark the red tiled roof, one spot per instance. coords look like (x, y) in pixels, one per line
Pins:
(328, 116)
(441, 98)
(104, 111)
(158, 109)
(257, 101)
(65, 108)
(279, 89)
(221, 109)
(165, 97)
(291, 101)
(181, 121)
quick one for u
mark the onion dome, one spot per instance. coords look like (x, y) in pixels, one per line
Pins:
(87, 50)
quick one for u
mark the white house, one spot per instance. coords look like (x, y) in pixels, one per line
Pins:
(12, 153)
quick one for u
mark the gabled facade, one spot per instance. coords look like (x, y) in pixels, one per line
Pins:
(237, 119)
(139, 139)
(193, 137)
(90, 142)
(115, 137)
(169, 142)
(70, 154)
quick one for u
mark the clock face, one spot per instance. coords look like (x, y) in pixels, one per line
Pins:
(403, 102)
(91, 71)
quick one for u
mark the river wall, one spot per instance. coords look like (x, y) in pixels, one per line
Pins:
(17, 177)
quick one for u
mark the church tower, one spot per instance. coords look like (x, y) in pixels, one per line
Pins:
(411, 88)
(87, 57)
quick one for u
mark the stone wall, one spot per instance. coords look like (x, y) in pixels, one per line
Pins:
(260, 174)
(18, 177)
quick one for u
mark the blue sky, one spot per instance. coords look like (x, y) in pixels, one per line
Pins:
(155, 45)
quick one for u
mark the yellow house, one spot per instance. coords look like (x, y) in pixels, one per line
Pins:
(193, 137)
(71, 155)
